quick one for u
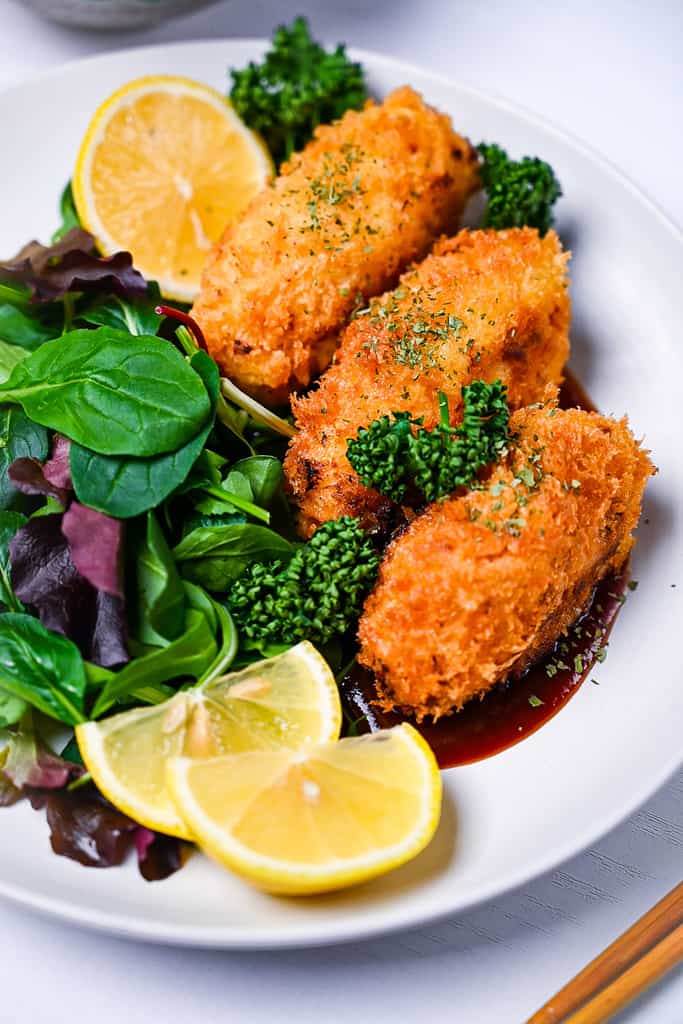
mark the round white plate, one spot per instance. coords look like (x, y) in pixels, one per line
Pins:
(516, 815)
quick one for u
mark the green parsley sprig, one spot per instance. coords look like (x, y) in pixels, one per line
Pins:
(296, 87)
(520, 193)
(315, 596)
(390, 458)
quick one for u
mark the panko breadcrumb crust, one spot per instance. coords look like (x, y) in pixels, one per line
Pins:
(481, 585)
(484, 304)
(363, 200)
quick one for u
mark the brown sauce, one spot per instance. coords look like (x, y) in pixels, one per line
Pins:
(514, 710)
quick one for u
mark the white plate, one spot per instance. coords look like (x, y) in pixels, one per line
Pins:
(516, 815)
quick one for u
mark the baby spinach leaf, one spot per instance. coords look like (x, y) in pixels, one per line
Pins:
(10, 355)
(135, 316)
(67, 209)
(197, 519)
(29, 328)
(10, 523)
(228, 645)
(160, 597)
(111, 392)
(198, 598)
(20, 437)
(189, 655)
(42, 668)
(214, 556)
(124, 487)
(11, 710)
(263, 475)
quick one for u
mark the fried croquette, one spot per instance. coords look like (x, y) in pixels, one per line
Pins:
(485, 304)
(363, 200)
(481, 585)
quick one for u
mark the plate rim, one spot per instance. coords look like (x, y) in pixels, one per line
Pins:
(365, 924)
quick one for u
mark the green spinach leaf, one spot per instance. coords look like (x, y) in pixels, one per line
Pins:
(10, 522)
(10, 355)
(29, 329)
(263, 476)
(123, 487)
(11, 710)
(111, 392)
(160, 597)
(214, 556)
(228, 645)
(41, 667)
(19, 437)
(67, 209)
(189, 655)
(137, 317)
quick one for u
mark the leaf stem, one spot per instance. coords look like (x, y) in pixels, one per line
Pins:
(187, 321)
(234, 499)
(443, 407)
(258, 412)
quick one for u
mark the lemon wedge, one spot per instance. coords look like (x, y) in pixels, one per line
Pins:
(319, 819)
(164, 167)
(289, 702)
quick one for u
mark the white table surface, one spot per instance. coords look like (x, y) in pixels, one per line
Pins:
(610, 72)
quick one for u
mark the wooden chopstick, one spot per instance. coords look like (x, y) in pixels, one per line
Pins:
(657, 930)
(633, 982)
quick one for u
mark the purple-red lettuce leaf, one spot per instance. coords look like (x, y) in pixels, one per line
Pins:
(43, 574)
(47, 273)
(85, 827)
(57, 470)
(28, 476)
(96, 542)
(158, 855)
(28, 763)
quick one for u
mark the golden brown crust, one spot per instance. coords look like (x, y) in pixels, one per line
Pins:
(507, 289)
(482, 584)
(365, 198)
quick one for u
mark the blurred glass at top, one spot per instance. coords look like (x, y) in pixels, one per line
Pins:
(114, 14)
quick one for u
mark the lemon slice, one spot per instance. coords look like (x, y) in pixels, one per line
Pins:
(284, 703)
(166, 164)
(324, 818)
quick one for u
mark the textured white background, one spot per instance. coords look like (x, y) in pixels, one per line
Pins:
(609, 71)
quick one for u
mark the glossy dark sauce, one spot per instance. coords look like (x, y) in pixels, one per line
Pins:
(512, 711)
(516, 709)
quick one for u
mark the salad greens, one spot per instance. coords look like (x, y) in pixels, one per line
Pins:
(20, 438)
(136, 487)
(42, 668)
(110, 391)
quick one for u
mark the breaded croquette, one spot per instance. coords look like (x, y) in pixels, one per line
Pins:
(481, 585)
(485, 304)
(363, 200)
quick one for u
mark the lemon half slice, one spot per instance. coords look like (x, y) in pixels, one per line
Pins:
(289, 702)
(165, 165)
(324, 818)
